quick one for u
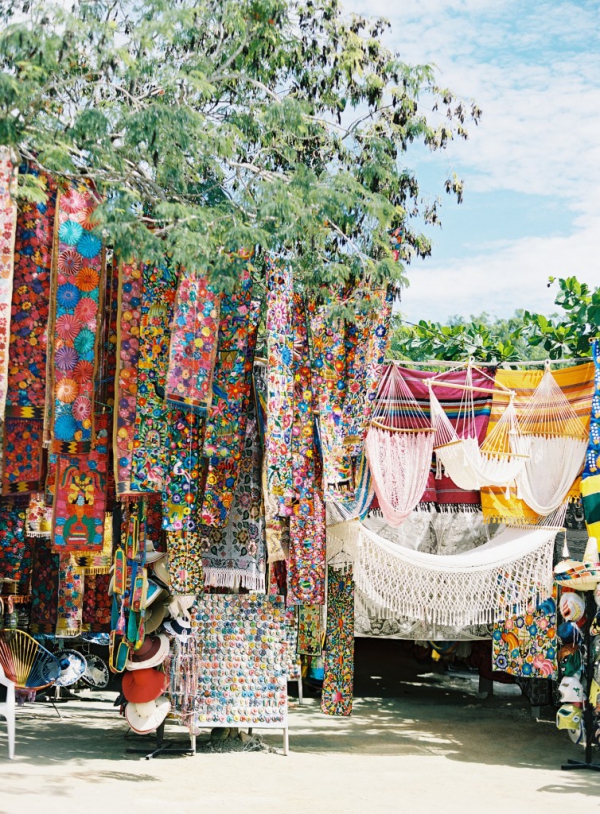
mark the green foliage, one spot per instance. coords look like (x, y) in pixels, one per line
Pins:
(208, 125)
(526, 336)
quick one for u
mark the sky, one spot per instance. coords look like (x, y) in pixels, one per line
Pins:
(531, 169)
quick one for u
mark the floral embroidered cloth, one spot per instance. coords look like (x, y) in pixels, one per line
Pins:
(70, 599)
(39, 517)
(184, 550)
(8, 224)
(590, 479)
(527, 645)
(338, 682)
(310, 630)
(15, 549)
(44, 588)
(26, 392)
(193, 342)
(77, 282)
(183, 470)
(306, 565)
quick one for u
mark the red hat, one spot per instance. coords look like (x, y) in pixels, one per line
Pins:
(142, 686)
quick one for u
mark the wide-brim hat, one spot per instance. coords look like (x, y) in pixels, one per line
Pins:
(152, 653)
(155, 616)
(72, 667)
(147, 717)
(583, 575)
(142, 686)
(154, 592)
(161, 571)
(180, 627)
(152, 555)
(96, 672)
(180, 605)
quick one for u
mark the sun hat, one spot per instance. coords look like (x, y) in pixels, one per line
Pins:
(161, 572)
(180, 627)
(583, 575)
(141, 686)
(180, 605)
(572, 606)
(569, 717)
(147, 717)
(152, 555)
(155, 616)
(154, 591)
(72, 667)
(152, 653)
(96, 672)
(571, 690)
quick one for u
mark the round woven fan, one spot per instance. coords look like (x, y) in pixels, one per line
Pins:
(96, 672)
(72, 667)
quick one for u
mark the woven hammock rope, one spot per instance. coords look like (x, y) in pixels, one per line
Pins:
(555, 440)
(399, 448)
(481, 586)
(497, 462)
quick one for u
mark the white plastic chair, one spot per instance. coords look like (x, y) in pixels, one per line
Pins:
(7, 710)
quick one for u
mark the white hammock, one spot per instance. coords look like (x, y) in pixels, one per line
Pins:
(555, 440)
(481, 586)
(399, 448)
(497, 462)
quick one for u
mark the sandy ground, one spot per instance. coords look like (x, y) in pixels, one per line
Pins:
(435, 748)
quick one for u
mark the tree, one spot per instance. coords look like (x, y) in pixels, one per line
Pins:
(526, 336)
(209, 125)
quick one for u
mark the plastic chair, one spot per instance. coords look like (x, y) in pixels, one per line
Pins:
(7, 710)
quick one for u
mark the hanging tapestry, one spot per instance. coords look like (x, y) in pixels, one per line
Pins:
(153, 516)
(306, 566)
(15, 549)
(590, 479)
(276, 527)
(577, 384)
(183, 470)
(128, 345)
(277, 578)
(225, 427)
(39, 516)
(310, 630)
(8, 225)
(280, 381)
(97, 562)
(44, 588)
(97, 604)
(338, 655)
(184, 550)
(526, 645)
(150, 434)
(26, 387)
(193, 343)
(70, 598)
(80, 499)
(77, 286)
(236, 556)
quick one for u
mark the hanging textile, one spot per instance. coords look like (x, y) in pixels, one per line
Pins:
(590, 479)
(97, 562)
(184, 549)
(8, 225)
(577, 385)
(306, 566)
(15, 548)
(526, 644)
(70, 598)
(280, 382)
(128, 344)
(338, 682)
(150, 430)
(44, 588)
(310, 630)
(236, 555)
(225, 427)
(96, 611)
(193, 343)
(183, 474)
(39, 517)
(76, 300)
(80, 499)
(484, 585)
(26, 386)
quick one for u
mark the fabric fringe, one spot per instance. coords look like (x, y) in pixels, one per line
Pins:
(234, 578)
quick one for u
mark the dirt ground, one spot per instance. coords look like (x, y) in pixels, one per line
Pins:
(426, 743)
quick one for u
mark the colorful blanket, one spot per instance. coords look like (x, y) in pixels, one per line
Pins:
(8, 224)
(44, 588)
(39, 517)
(306, 565)
(193, 343)
(26, 388)
(577, 384)
(95, 615)
(15, 548)
(310, 630)
(527, 645)
(70, 599)
(184, 550)
(183, 471)
(338, 656)
(590, 479)
(236, 555)
(151, 430)
(77, 285)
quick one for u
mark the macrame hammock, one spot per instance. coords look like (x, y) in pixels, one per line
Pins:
(481, 586)
(399, 448)
(554, 439)
(499, 459)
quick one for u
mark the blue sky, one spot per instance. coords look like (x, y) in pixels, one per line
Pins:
(532, 167)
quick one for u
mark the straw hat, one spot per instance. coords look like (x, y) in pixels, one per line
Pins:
(161, 572)
(152, 555)
(180, 627)
(72, 667)
(152, 653)
(155, 616)
(581, 575)
(144, 718)
(142, 686)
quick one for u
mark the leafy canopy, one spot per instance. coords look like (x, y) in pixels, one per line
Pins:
(208, 125)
